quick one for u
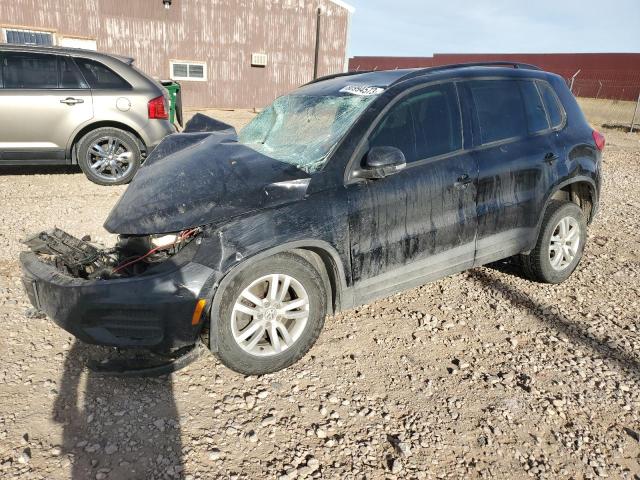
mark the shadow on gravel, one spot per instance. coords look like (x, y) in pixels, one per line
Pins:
(122, 428)
(628, 363)
(41, 170)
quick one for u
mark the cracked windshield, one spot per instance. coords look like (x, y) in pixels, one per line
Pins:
(302, 129)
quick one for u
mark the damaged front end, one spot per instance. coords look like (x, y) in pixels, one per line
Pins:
(143, 292)
(152, 289)
(133, 254)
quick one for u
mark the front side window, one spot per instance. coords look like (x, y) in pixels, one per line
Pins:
(499, 109)
(29, 70)
(303, 129)
(425, 124)
(99, 76)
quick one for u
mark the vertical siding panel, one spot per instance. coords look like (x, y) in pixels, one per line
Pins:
(222, 33)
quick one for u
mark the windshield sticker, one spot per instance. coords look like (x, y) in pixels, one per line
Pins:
(362, 90)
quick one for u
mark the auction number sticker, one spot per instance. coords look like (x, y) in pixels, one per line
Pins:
(362, 90)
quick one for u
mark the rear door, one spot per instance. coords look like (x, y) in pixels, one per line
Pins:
(516, 153)
(44, 99)
(419, 223)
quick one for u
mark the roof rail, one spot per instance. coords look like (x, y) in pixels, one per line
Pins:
(424, 71)
(57, 49)
(336, 75)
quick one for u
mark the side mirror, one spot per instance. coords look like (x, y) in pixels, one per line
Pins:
(382, 161)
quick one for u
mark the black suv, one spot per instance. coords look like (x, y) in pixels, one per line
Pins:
(349, 189)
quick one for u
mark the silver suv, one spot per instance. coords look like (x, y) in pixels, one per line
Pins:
(69, 106)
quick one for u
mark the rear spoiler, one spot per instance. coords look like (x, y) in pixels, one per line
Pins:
(128, 60)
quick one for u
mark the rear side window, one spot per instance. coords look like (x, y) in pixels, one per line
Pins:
(552, 103)
(423, 125)
(499, 109)
(29, 70)
(536, 115)
(99, 76)
(69, 75)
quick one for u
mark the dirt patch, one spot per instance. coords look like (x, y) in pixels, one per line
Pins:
(482, 374)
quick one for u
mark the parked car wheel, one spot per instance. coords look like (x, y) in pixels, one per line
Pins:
(109, 156)
(270, 315)
(560, 244)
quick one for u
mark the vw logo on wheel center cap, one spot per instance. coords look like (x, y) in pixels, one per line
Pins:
(270, 314)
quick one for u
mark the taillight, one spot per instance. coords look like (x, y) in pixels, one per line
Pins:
(599, 139)
(157, 108)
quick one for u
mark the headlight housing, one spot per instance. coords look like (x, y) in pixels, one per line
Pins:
(137, 252)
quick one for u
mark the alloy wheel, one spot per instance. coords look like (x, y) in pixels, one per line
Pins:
(109, 158)
(564, 243)
(270, 315)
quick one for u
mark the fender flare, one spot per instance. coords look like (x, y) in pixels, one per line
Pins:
(558, 187)
(309, 245)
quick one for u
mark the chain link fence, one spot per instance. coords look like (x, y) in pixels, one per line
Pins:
(609, 99)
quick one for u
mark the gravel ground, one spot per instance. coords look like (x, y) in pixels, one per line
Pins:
(482, 374)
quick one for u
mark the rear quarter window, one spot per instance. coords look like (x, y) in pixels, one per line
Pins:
(99, 76)
(499, 109)
(552, 104)
(537, 120)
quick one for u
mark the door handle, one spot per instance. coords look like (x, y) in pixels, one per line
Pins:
(72, 101)
(463, 181)
(550, 158)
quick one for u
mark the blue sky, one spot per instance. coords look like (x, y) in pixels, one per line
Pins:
(424, 27)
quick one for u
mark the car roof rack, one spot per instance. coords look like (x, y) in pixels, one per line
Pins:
(439, 68)
(55, 49)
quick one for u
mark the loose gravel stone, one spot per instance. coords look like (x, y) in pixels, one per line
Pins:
(479, 375)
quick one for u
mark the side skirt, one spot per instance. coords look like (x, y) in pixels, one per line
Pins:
(410, 276)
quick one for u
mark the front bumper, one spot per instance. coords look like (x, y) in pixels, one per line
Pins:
(153, 311)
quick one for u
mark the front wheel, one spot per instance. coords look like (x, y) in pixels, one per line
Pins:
(270, 315)
(109, 156)
(561, 241)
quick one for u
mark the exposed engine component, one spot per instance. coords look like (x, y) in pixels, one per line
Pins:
(150, 249)
(71, 255)
(132, 255)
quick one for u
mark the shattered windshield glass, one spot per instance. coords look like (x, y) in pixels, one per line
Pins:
(302, 129)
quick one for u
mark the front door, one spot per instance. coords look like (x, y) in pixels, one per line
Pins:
(44, 99)
(419, 223)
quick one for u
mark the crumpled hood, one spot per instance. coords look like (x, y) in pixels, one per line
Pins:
(199, 177)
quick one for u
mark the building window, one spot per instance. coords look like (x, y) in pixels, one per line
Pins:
(28, 37)
(188, 70)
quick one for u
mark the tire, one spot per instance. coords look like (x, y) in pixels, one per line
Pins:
(543, 264)
(231, 324)
(115, 171)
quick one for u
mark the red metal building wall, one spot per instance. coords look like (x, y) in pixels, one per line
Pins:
(602, 75)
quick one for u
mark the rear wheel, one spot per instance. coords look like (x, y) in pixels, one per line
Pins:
(560, 244)
(109, 156)
(270, 315)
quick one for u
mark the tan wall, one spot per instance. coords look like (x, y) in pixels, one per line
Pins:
(222, 33)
